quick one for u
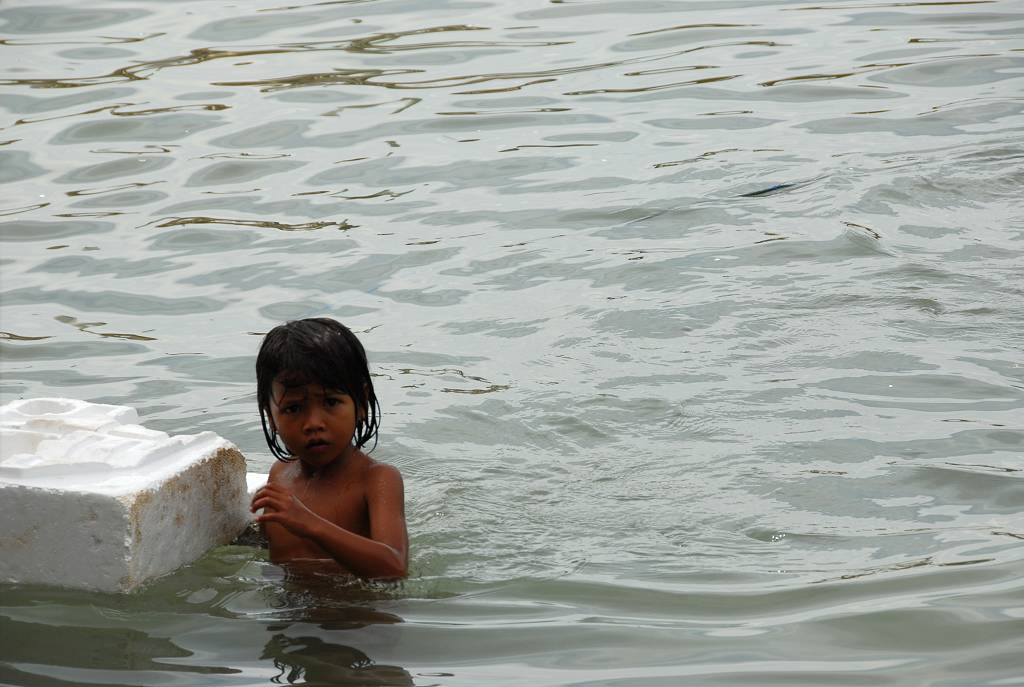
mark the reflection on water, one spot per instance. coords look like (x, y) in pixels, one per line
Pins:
(697, 326)
(331, 606)
(311, 661)
(207, 624)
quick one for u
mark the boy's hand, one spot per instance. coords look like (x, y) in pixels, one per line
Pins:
(280, 505)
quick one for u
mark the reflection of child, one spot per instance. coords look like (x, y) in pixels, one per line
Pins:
(325, 498)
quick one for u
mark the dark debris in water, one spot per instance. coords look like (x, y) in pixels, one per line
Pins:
(869, 230)
(10, 336)
(251, 536)
(343, 225)
(87, 327)
(1001, 533)
(771, 190)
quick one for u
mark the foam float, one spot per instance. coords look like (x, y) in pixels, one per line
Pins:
(90, 499)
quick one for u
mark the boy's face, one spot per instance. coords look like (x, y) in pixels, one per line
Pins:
(316, 424)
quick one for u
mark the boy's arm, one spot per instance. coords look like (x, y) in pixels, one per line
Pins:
(274, 469)
(384, 555)
(385, 500)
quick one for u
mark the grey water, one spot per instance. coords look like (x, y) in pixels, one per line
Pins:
(697, 326)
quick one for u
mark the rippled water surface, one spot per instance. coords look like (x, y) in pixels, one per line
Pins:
(698, 326)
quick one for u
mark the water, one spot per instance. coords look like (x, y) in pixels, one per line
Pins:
(697, 326)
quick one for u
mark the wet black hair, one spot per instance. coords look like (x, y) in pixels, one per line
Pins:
(320, 351)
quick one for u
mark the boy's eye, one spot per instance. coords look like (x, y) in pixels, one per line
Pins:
(291, 407)
(332, 401)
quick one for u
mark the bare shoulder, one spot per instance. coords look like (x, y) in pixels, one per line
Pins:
(276, 471)
(382, 474)
(385, 492)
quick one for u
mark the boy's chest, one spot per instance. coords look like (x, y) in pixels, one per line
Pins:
(339, 501)
(343, 505)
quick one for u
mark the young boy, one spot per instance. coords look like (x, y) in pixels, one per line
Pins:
(325, 498)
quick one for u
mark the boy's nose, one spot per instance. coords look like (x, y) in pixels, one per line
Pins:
(314, 421)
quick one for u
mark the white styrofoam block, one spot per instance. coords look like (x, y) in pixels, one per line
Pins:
(255, 480)
(91, 500)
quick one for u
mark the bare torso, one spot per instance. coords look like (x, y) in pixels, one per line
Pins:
(336, 493)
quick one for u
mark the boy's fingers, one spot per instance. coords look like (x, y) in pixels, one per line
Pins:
(265, 502)
(273, 516)
(269, 490)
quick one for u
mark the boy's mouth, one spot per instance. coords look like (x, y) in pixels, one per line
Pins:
(315, 443)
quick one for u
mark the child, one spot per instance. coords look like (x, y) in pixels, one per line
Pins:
(325, 498)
